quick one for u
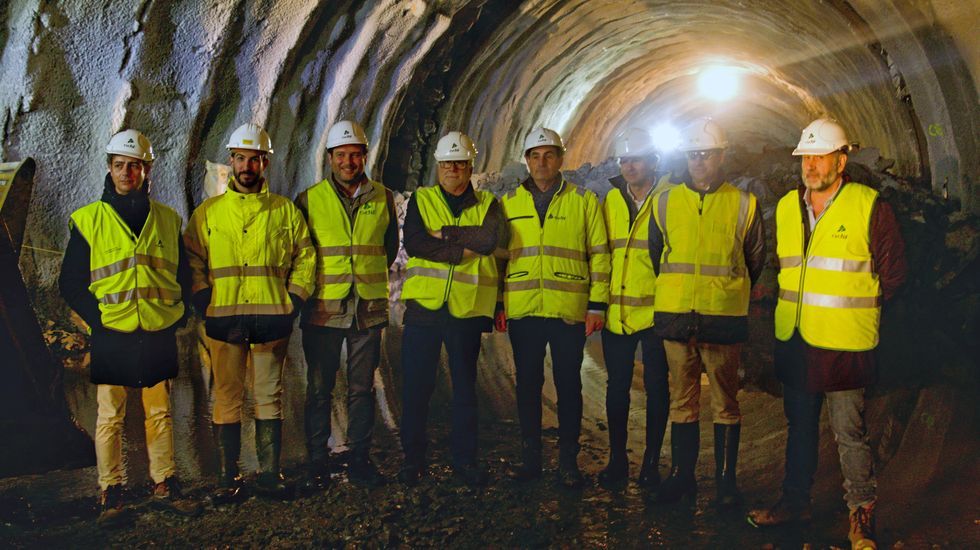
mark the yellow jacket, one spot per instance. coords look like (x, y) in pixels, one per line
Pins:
(251, 250)
(556, 268)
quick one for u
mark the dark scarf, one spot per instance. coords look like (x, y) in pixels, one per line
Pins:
(133, 208)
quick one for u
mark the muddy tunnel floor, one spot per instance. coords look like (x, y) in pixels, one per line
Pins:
(59, 509)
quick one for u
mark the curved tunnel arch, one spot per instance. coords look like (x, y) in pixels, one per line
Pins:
(409, 70)
(586, 70)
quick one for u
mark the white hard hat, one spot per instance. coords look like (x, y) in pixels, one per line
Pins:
(542, 136)
(634, 143)
(702, 135)
(455, 146)
(131, 143)
(822, 136)
(346, 132)
(250, 136)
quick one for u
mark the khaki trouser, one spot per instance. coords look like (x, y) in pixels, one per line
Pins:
(721, 362)
(228, 364)
(109, 430)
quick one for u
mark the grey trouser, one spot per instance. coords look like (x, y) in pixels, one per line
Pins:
(322, 349)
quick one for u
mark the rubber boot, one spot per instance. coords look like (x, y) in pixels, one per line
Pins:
(649, 478)
(530, 468)
(726, 457)
(228, 440)
(268, 445)
(685, 440)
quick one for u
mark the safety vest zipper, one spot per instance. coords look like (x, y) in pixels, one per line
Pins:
(136, 271)
(547, 211)
(697, 258)
(452, 267)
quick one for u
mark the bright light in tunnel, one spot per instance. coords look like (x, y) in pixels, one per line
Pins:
(718, 83)
(665, 137)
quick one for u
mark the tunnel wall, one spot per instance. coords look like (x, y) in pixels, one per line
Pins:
(189, 72)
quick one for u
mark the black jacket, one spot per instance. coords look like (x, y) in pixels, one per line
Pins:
(137, 359)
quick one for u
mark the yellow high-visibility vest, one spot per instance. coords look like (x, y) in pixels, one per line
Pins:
(348, 255)
(633, 285)
(133, 277)
(830, 292)
(252, 249)
(556, 269)
(470, 287)
(702, 267)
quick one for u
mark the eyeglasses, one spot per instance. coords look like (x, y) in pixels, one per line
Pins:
(458, 164)
(703, 155)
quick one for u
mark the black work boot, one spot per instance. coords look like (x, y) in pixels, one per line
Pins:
(411, 471)
(649, 478)
(228, 440)
(530, 468)
(317, 476)
(617, 471)
(685, 440)
(568, 473)
(270, 482)
(726, 457)
(362, 471)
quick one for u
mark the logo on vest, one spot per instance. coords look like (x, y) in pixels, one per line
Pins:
(841, 232)
(160, 243)
(368, 208)
(554, 217)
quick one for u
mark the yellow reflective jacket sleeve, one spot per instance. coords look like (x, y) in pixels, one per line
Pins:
(196, 245)
(600, 264)
(303, 273)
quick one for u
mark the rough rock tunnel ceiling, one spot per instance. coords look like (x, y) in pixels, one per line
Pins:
(901, 75)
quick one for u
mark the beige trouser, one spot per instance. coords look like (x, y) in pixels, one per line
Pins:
(109, 432)
(228, 364)
(721, 362)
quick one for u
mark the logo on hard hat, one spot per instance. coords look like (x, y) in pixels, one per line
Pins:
(541, 138)
(454, 147)
(346, 133)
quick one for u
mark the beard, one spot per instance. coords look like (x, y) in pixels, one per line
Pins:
(255, 179)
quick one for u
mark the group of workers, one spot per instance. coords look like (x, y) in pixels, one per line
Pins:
(664, 263)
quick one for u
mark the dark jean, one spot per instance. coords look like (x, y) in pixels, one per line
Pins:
(529, 337)
(421, 346)
(619, 353)
(321, 347)
(846, 412)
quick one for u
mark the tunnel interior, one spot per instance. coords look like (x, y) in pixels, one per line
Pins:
(901, 76)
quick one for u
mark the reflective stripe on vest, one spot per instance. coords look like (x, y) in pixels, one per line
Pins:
(470, 287)
(830, 293)
(134, 278)
(702, 267)
(633, 284)
(549, 274)
(349, 255)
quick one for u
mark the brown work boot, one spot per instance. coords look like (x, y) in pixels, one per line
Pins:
(784, 511)
(862, 532)
(168, 497)
(112, 513)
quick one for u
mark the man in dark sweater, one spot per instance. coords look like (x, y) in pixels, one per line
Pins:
(841, 256)
(126, 275)
(451, 233)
